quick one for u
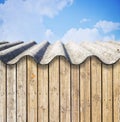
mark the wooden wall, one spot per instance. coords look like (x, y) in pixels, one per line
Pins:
(60, 91)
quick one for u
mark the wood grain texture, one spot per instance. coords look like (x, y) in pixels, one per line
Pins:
(11, 93)
(75, 92)
(85, 91)
(21, 90)
(2, 92)
(60, 91)
(32, 89)
(116, 92)
(96, 89)
(42, 93)
(54, 90)
(64, 90)
(107, 92)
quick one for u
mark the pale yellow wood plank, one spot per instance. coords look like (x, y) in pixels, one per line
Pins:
(54, 90)
(75, 92)
(11, 93)
(32, 89)
(64, 90)
(2, 92)
(107, 92)
(21, 90)
(96, 89)
(85, 91)
(116, 91)
(42, 93)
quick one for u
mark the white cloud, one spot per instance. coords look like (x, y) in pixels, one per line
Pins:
(23, 19)
(109, 38)
(87, 34)
(92, 34)
(46, 7)
(49, 34)
(81, 35)
(107, 26)
(41, 7)
(84, 20)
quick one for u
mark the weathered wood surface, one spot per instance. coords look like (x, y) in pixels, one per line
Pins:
(95, 90)
(60, 91)
(32, 90)
(107, 93)
(21, 90)
(85, 91)
(42, 93)
(2, 92)
(75, 94)
(116, 92)
(64, 90)
(54, 91)
(11, 93)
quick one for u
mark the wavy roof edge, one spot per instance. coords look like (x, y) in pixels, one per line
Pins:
(75, 53)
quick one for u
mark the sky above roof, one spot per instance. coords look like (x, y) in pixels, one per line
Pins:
(64, 20)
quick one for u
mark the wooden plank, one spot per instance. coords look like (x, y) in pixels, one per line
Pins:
(21, 90)
(32, 89)
(96, 89)
(54, 90)
(116, 91)
(42, 93)
(75, 92)
(2, 92)
(11, 93)
(64, 90)
(85, 91)
(107, 92)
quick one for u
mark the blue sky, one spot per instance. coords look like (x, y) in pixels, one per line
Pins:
(64, 20)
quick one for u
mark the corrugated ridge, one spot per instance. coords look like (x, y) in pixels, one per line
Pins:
(36, 51)
(43, 53)
(53, 50)
(3, 42)
(12, 52)
(76, 52)
(104, 53)
(8, 45)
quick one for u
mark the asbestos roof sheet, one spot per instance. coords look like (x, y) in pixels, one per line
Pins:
(44, 52)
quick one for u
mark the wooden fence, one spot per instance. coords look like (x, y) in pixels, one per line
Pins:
(60, 91)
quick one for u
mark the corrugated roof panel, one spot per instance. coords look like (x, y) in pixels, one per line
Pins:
(56, 49)
(3, 42)
(10, 53)
(36, 51)
(43, 53)
(104, 52)
(8, 45)
(77, 54)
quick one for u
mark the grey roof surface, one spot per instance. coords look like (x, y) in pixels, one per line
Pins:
(43, 53)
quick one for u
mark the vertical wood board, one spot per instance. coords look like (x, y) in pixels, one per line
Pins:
(107, 92)
(64, 90)
(2, 92)
(21, 90)
(42, 93)
(31, 90)
(85, 91)
(75, 92)
(96, 89)
(54, 90)
(11, 93)
(116, 91)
